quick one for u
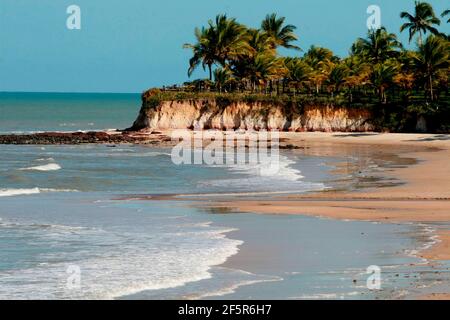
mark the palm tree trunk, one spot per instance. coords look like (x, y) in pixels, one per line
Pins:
(431, 88)
(210, 72)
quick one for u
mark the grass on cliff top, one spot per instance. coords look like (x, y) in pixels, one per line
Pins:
(151, 99)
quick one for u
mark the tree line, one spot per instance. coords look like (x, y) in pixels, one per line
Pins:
(243, 59)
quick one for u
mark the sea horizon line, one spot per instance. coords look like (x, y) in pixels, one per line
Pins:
(66, 92)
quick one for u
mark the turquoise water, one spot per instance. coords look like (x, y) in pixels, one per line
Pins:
(66, 208)
(31, 112)
(60, 207)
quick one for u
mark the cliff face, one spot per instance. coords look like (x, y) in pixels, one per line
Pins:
(207, 114)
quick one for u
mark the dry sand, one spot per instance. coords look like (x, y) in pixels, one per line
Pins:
(423, 197)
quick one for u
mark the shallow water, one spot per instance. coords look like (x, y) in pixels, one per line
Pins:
(58, 215)
(63, 236)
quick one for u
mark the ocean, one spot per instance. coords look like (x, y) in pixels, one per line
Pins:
(34, 112)
(72, 227)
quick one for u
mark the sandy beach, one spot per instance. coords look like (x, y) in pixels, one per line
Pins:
(423, 196)
(399, 181)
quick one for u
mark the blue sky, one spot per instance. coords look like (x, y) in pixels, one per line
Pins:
(128, 46)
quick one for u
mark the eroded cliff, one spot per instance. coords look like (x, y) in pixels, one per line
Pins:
(208, 114)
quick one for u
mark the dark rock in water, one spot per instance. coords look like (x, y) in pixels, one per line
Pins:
(291, 147)
(75, 138)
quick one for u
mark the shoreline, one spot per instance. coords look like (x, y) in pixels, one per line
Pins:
(423, 196)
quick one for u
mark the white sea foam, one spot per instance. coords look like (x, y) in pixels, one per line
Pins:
(327, 296)
(241, 278)
(254, 179)
(135, 264)
(17, 192)
(43, 226)
(45, 167)
(45, 159)
(432, 239)
(283, 165)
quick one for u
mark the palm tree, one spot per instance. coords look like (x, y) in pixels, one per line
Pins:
(421, 21)
(446, 13)
(260, 42)
(222, 78)
(379, 46)
(316, 55)
(263, 69)
(358, 72)
(204, 50)
(383, 76)
(321, 60)
(223, 40)
(232, 38)
(243, 66)
(336, 79)
(298, 72)
(281, 35)
(406, 77)
(431, 59)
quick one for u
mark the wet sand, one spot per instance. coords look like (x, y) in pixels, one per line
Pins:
(440, 251)
(422, 197)
(414, 189)
(436, 296)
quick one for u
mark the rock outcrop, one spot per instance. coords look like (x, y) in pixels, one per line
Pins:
(207, 114)
(97, 137)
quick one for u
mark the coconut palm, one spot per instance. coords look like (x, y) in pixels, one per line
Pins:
(379, 46)
(223, 40)
(318, 55)
(280, 34)
(204, 51)
(222, 78)
(446, 13)
(232, 38)
(298, 72)
(358, 71)
(432, 59)
(263, 69)
(382, 77)
(406, 77)
(321, 60)
(260, 42)
(337, 77)
(247, 64)
(421, 21)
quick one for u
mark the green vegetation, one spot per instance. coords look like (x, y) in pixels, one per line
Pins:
(398, 85)
(421, 21)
